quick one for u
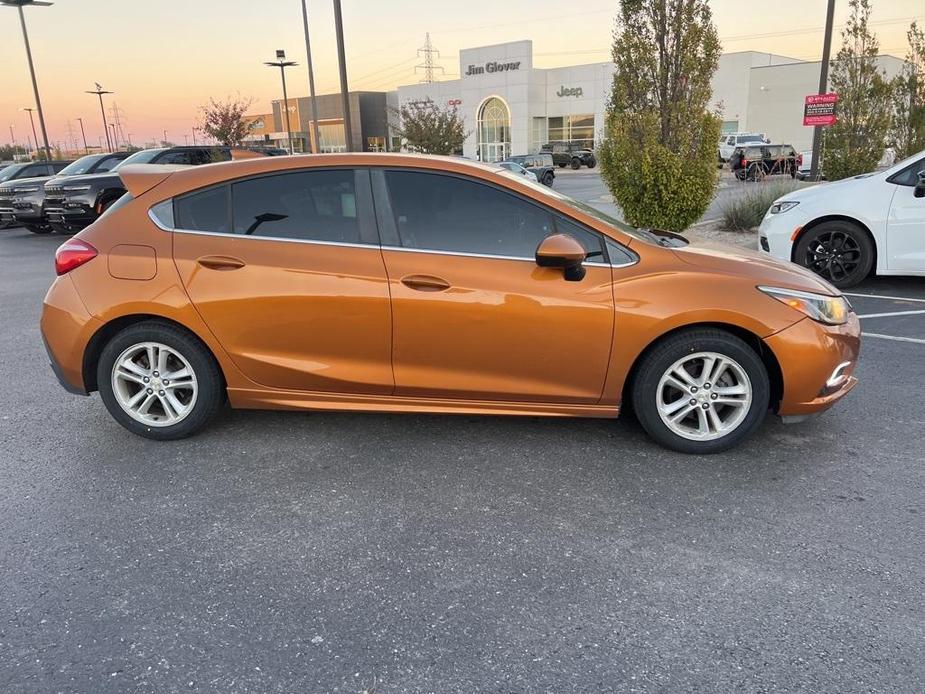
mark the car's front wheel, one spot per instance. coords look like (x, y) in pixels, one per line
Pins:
(548, 178)
(159, 381)
(591, 163)
(576, 163)
(840, 251)
(701, 391)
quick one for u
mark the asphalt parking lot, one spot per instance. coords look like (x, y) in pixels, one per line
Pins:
(292, 552)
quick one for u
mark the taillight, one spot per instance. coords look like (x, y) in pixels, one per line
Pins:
(744, 161)
(72, 254)
(799, 160)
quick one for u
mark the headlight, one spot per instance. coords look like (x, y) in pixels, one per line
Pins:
(832, 310)
(781, 207)
(75, 189)
(25, 189)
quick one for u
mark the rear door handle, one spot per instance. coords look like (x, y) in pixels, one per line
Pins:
(220, 262)
(425, 283)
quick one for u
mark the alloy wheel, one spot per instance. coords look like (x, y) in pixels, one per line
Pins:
(154, 384)
(704, 396)
(834, 255)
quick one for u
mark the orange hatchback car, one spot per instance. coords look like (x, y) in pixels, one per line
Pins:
(385, 282)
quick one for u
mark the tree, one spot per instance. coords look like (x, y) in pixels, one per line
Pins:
(856, 142)
(225, 121)
(908, 132)
(658, 154)
(426, 128)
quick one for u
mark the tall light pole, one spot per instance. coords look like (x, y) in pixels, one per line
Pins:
(99, 92)
(34, 136)
(18, 4)
(316, 143)
(342, 64)
(115, 142)
(823, 87)
(282, 64)
(83, 135)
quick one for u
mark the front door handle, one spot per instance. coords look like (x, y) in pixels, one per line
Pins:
(220, 262)
(425, 283)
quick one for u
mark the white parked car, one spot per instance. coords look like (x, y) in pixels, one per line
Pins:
(843, 230)
(728, 143)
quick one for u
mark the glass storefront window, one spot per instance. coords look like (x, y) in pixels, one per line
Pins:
(332, 137)
(578, 129)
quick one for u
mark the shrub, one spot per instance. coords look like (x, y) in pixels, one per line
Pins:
(658, 154)
(745, 212)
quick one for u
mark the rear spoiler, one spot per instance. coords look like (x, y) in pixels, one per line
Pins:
(140, 178)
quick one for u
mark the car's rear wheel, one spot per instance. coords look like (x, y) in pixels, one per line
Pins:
(592, 162)
(548, 178)
(839, 251)
(576, 163)
(158, 381)
(701, 391)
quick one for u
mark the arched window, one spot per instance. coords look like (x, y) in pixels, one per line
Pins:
(494, 130)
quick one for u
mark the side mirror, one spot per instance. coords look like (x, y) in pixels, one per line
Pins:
(919, 190)
(562, 251)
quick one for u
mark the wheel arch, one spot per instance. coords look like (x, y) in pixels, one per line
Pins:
(764, 352)
(835, 218)
(107, 331)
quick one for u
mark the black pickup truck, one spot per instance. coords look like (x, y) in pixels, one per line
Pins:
(569, 154)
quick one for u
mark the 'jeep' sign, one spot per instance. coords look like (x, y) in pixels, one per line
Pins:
(491, 67)
(569, 91)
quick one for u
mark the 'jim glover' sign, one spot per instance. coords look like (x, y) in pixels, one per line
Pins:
(819, 109)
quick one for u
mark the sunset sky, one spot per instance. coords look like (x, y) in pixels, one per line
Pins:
(164, 58)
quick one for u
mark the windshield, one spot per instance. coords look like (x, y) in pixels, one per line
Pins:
(642, 234)
(11, 171)
(142, 157)
(82, 165)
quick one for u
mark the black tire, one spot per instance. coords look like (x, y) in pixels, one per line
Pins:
(211, 388)
(38, 228)
(561, 166)
(548, 178)
(659, 359)
(592, 162)
(576, 163)
(838, 251)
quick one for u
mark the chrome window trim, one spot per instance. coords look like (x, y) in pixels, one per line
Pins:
(344, 244)
(197, 232)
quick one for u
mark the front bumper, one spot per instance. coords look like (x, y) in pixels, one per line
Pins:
(817, 363)
(777, 231)
(73, 213)
(28, 211)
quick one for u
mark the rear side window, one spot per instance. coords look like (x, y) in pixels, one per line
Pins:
(182, 157)
(312, 205)
(107, 164)
(445, 213)
(304, 205)
(206, 210)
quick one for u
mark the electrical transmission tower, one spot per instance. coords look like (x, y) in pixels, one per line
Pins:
(71, 137)
(429, 53)
(118, 116)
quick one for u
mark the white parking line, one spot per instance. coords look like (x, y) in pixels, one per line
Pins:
(895, 338)
(880, 296)
(892, 313)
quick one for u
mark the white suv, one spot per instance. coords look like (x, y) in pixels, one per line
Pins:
(844, 229)
(728, 143)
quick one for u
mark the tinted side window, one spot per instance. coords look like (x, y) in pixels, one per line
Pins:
(311, 205)
(34, 170)
(445, 213)
(206, 210)
(57, 166)
(910, 175)
(181, 157)
(591, 240)
(216, 154)
(107, 164)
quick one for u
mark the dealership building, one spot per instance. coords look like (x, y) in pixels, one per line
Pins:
(510, 107)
